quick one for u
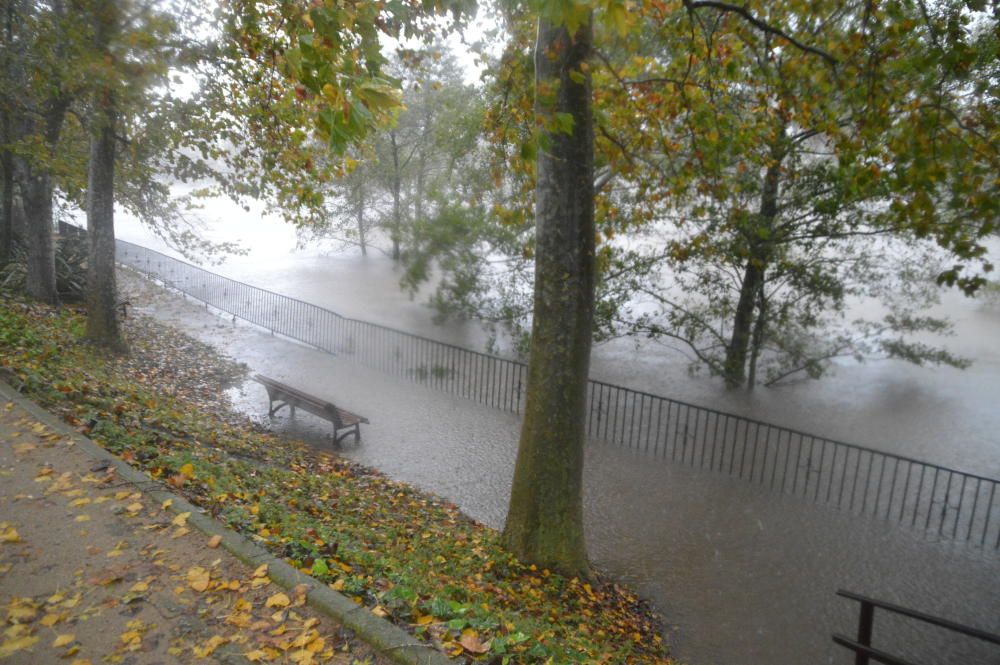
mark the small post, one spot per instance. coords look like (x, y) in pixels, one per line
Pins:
(865, 621)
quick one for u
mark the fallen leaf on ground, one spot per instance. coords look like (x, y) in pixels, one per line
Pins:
(198, 578)
(278, 600)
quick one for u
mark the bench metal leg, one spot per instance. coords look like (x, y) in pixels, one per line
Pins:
(274, 409)
(356, 431)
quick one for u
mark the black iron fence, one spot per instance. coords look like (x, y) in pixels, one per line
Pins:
(951, 504)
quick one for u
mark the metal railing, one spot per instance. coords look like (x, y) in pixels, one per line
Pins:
(945, 502)
(865, 653)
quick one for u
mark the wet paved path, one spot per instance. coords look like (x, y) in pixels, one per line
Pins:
(748, 576)
(93, 571)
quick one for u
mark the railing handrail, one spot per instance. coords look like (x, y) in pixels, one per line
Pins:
(922, 616)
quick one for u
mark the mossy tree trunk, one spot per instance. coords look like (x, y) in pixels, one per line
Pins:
(545, 520)
(102, 292)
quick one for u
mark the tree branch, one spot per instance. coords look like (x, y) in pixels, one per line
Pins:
(760, 25)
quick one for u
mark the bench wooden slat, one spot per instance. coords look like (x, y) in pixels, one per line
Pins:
(293, 398)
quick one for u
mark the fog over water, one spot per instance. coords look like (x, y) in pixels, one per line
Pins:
(745, 576)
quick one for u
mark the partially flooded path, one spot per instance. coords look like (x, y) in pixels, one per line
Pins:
(747, 575)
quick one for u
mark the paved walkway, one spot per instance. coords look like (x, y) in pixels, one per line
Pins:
(92, 571)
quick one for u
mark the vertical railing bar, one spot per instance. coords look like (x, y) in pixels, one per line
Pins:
(819, 474)
(920, 491)
(833, 474)
(930, 504)
(958, 511)
(878, 487)
(906, 491)
(746, 444)
(975, 504)
(944, 504)
(854, 481)
(892, 488)
(659, 416)
(798, 463)
(868, 482)
(725, 442)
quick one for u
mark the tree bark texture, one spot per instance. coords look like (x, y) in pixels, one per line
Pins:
(7, 202)
(7, 137)
(545, 519)
(735, 367)
(102, 292)
(36, 191)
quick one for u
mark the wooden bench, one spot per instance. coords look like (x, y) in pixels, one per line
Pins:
(281, 395)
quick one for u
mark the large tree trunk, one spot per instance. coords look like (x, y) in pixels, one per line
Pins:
(735, 366)
(102, 293)
(6, 138)
(36, 192)
(545, 520)
(7, 202)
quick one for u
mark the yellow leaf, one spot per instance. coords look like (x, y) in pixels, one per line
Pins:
(425, 619)
(214, 541)
(12, 646)
(278, 600)
(256, 655)
(9, 535)
(63, 640)
(166, 504)
(82, 518)
(76, 503)
(50, 620)
(134, 507)
(198, 578)
(20, 610)
(139, 587)
(188, 469)
(210, 646)
(302, 657)
(181, 520)
(338, 585)
(261, 570)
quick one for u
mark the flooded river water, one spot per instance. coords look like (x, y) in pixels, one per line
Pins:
(746, 576)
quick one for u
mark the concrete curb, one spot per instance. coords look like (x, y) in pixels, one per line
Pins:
(389, 640)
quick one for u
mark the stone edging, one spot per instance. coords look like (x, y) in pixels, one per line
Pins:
(389, 640)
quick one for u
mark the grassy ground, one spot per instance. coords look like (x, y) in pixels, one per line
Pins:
(406, 555)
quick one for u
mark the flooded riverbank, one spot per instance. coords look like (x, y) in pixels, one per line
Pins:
(747, 575)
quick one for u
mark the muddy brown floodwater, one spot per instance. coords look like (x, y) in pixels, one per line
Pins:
(744, 576)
